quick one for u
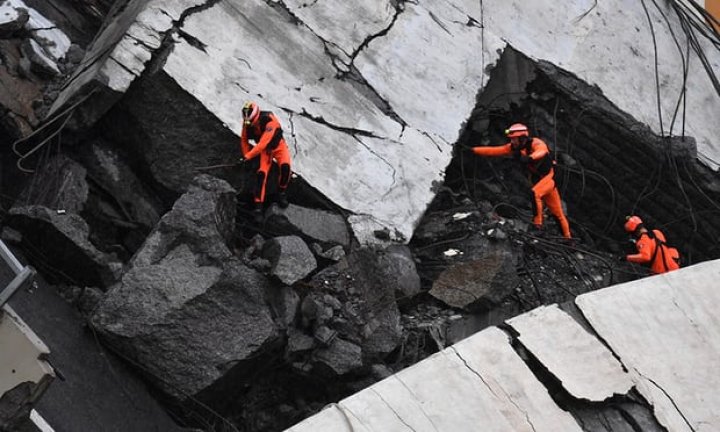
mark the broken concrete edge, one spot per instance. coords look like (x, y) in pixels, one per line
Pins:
(640, 393)
(557, 390)
(136, 25)
(369, 230)
(674, 419)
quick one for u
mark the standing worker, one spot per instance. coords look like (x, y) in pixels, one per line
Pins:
(651, 248)
(534, 153)
(264, 128)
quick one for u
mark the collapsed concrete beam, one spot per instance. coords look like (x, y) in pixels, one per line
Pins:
(585, 367)
(479, 381)
(664, 329)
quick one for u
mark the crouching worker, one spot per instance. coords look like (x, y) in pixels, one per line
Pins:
(264, 128)
(535, 155)
(651, 248)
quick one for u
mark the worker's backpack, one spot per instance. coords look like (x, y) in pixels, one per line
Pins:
(670, 256)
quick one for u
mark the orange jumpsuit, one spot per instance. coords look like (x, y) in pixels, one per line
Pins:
(270, 144)
(542, 176)
(661, 260)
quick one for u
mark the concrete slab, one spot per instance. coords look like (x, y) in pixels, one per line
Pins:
(666, 331)
(584, 366)
(479, 384)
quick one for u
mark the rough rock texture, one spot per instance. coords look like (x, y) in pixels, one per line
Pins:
(188, 311)
(61, 241)
(312, 224)
(170, 152)
(290, 258)
(338, 359)
(354, 302)
(61, 184)
(15, 406)
(110, 170)
(478, 284)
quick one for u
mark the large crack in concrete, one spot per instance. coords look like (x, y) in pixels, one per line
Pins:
(581, 409)
(429, 419)
(348, 72)
(399, 417)
(158, 57)
(667, 395)
(507, 396)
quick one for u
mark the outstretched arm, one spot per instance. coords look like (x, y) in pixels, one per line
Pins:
(491, 151)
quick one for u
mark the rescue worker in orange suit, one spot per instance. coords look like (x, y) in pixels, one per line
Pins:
(651, 248)
(535, 154)
(264, 128)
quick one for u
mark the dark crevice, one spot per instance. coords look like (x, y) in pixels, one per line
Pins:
(348, 71)
(577, 314)
(192, 40)
(160, 55)
(509, 397)
(322, 121)
(587, 412)
(677, 408)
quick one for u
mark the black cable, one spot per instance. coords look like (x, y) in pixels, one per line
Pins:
(657, 74)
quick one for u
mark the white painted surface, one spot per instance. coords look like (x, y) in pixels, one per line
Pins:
(666, 330)
(584, 366)
(479, 384)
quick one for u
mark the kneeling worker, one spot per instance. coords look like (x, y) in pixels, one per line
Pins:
(264, 128)
(651, 248)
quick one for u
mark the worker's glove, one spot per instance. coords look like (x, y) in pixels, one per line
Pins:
(524, 159)
(622, 258)
(240, 160)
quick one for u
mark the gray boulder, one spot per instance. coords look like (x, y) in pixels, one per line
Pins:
(60, 184)
(112, 173)
(290, 258)
(398, 265)
(188, 311)
(65, 245)
(314, 225)
(338, 359)
(354, 301)
(478, 284)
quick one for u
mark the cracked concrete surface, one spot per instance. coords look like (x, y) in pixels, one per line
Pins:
(480, 383)
(662, 330)
(665, 331)
(585, 367)
(406, 72)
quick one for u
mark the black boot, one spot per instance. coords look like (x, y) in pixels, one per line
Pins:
(258, 213)
(282, 200)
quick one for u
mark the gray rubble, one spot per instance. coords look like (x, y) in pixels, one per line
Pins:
(290, 258)
(188, 310)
